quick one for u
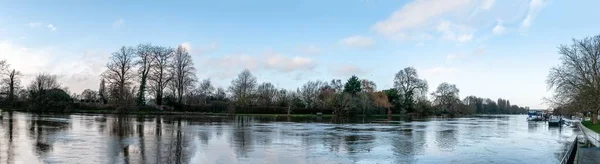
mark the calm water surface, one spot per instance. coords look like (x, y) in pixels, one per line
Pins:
(42, 138)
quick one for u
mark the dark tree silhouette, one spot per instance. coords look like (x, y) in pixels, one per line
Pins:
(353, 86)
(120, 74)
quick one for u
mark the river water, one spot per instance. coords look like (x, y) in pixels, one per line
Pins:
(42, 138)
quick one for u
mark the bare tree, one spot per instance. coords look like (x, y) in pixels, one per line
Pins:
(145, 54)
(282, 98)
(576, 81)
(22, 94)
(89, 95)
(3, 66)
(446, 96)
(266, 93)
(242, 88)
(326, 96)
(160, 73)
(309, 93)
(220, 94)
(44, 82)
(368, 85)
(201, 94)
(120, 74)
(40, 87)
(342, 103)
(184, 72)
(337, 85)
(407, 82)
(206, 88)
(12, 82)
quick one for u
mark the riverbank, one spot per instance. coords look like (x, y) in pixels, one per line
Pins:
(589, 125)
(195, 113)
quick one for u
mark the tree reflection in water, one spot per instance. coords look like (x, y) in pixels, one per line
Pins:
(241, 138)
(41, 128)
(409, 142)
(194, 139)
(6, 143)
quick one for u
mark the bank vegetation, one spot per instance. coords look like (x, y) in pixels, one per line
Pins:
(575, 81)
(156, 78)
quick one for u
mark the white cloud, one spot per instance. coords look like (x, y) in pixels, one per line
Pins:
(201, 49)
(75, 73)
(420, 44)
(228, 66)
(498, 29)
(34, 24)
(534, 8)
(187, 46)
(416, 15)
(118, 23)
(440, 71)
(20, 58)
(310, 49)
(357, 41)
(83, 73)
(347, 70)
(51, 27)
(487, 4)
(454, 32)
(287, 64)
(526, 22)
(455, 56)
(465, 38)
(208, 48)
(458, 56)
(461, 18)
(479, 51)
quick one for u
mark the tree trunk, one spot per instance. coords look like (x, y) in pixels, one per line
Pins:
(595, 117)
(11, 91)
(141, 94)
(159, 98)
(180, 94)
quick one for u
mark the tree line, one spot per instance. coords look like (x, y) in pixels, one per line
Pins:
(150, 77)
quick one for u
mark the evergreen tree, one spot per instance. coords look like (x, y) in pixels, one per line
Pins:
(353, 85)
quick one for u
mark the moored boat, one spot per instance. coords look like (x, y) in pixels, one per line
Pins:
(554, 121)
(537, 115)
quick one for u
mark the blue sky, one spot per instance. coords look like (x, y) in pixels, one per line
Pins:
(488, 48)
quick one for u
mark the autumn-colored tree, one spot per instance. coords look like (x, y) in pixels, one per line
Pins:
(380, 100)
(368, 85)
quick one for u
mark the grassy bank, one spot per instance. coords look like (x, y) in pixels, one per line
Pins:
(589, 125)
